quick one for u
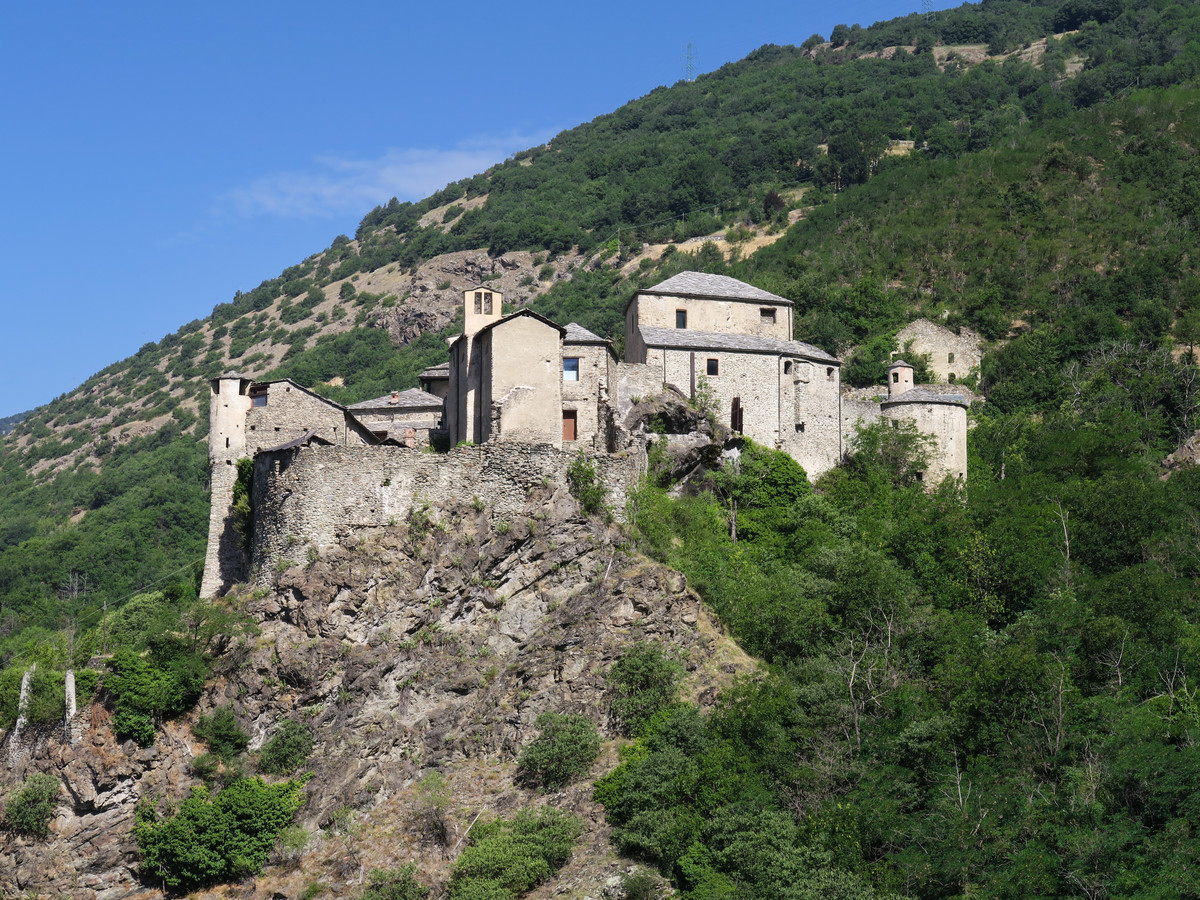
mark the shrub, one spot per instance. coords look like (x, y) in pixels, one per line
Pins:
(509, 857)
(287, 750)
(213, 840)
(433, 796)
(641, 683)
(584, 483)
(221, 732)
(395, 884)
(566, 747)
(29, 808)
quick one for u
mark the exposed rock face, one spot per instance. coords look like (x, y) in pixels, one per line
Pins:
(431, 645)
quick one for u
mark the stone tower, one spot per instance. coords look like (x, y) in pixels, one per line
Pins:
(481, 307)
(224, 561)
(899, 378)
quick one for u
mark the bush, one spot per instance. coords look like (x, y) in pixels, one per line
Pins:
(395, 884)
(642, 682)
(287, 750)
(584, 483)
(213, 840)
(221, 732)
(509, 857)
(30, 808)
(429, 808)
(566, 747)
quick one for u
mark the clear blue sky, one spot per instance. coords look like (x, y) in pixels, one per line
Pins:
(156, 157)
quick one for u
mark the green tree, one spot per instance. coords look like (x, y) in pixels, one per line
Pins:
(214, 839)
(642, 682)
(566, 746)
(30, 807)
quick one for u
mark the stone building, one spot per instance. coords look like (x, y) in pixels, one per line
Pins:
(737, 339)
(527, 394)
(952, 356)
(247, 417)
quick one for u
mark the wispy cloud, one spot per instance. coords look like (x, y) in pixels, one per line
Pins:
(339, 184)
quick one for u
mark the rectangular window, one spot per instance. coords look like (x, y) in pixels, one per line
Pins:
(895, 378)
(487, 303)
(569, 425)
(767, 315)
(570, 368)
(950, 357)
(681, 318)
(713, 367)
(258, 396)
(478, 302)
(829, 373)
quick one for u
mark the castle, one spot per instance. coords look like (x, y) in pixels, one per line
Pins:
(520, 396)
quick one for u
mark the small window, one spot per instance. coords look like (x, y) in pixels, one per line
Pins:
(950, 378)
(950, 358)
(895, 378)
(681, 318)
(787, 367)
(766, 315)
(799, 428)
(713, 367)
(829, 373)
(570, 368)
(570, 422)
(487, 303)
(258, 396)
(478, 302)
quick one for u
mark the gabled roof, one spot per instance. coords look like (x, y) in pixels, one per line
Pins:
(442, 370)
(898, 364)
(688, 339)
(716, 287)
(518, 314)
(925, 395)
(413, 398)
(577, 334)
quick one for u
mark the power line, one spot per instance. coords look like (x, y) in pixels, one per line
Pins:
(689, 62)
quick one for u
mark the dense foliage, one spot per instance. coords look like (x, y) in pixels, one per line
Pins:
(287, 750)
(507, 857)
(30, 807)
(565, 747)
(984, 691)
(212, 839)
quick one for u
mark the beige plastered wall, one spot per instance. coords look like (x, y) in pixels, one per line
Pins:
(521, 383)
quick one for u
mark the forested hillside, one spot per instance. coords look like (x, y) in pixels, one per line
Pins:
(981, 694)
(1023, 154)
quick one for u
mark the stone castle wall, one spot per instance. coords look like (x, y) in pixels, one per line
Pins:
(314, 497)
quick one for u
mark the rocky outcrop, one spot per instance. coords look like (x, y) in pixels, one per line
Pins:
(430, 646)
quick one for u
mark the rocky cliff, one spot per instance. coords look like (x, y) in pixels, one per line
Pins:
(428, 646)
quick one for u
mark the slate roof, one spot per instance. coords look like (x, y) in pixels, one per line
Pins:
(898, 364)
(688, 339)
(701, 284)
(925, 395)
(439, 371)
(577, 334)
(413, 398)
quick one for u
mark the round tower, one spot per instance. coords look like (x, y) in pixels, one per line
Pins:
(228, 405)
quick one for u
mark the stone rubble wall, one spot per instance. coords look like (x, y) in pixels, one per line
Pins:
(310, 498)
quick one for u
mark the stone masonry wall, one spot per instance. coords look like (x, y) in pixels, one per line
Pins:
(317, 496)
